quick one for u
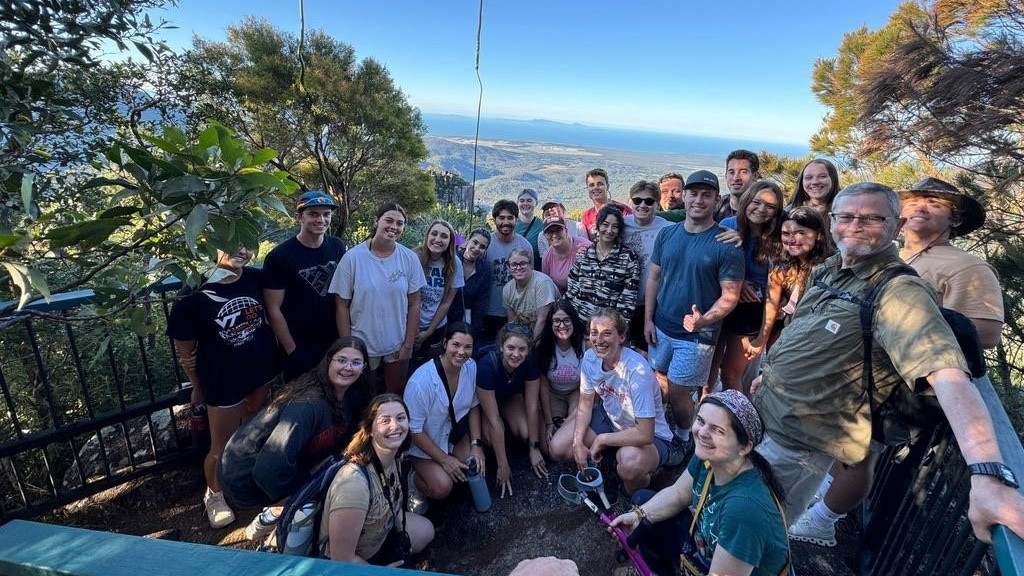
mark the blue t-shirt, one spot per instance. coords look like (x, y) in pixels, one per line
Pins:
(755, 271)
(692, 265)
(491, 374)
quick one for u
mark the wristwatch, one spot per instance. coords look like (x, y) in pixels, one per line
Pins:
(476, 442)
(534, 444)
(997, 469)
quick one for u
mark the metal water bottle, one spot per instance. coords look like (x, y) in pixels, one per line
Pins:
(300, 534)
(478, 487)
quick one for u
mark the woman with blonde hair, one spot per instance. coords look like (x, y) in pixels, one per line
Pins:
(443, 272)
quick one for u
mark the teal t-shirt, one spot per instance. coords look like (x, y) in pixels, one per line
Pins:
(742, 517)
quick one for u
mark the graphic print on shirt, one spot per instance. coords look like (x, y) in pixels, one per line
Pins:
(434, 289)
(500, 272)
(614, 399)
(238, 320)
(635, 243)
(319, 276)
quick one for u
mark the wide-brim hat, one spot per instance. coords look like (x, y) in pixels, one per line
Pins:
(972, 214)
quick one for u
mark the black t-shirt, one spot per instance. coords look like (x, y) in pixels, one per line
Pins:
(236, 351)
(304, 274)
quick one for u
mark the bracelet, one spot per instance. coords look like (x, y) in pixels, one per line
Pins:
(640, 514)
(476, 442)
(534, 444)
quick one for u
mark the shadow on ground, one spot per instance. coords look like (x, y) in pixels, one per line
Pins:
(534, 521)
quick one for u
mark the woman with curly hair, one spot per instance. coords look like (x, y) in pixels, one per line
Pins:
(806, 243)
(443, 272)
(607, 273)
(270, 457)
(364, 518)
(758, 220)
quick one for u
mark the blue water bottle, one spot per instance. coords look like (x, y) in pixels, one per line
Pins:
(478, 487)
(299, 541)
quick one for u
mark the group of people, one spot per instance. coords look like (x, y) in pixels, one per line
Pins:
(572, 337)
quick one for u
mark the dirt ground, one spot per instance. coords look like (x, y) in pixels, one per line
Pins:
(534, 522)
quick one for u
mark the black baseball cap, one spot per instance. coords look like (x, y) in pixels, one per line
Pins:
(704, 177)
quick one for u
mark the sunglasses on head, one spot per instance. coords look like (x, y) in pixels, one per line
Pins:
(645, 201)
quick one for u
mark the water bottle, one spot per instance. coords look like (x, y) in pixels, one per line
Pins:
(478, 487)
(200, 428)
(300, 534)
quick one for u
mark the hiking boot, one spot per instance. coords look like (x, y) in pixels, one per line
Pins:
(417, 501)
(217, 510)
(261, 526)
(807, 530)
(678, 452)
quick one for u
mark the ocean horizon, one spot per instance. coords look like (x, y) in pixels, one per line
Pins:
(551, 132)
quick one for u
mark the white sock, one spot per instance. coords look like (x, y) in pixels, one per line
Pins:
(822, 515)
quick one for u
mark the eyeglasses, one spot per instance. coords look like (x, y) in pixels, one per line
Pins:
(561, 321)
(865, 220)
(644, 201)
(518, 265)
(517, 328)
(353, 363)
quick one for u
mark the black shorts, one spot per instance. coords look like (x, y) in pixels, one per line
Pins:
(745, 319)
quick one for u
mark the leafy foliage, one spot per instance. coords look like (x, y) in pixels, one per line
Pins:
(338, 124)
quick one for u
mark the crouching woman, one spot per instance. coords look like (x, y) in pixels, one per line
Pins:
(364, 518)
(736, 525)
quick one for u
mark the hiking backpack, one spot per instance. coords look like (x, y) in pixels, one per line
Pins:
(904, 415)
(298, 527)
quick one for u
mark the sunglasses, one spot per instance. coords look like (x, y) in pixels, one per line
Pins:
(644, 201)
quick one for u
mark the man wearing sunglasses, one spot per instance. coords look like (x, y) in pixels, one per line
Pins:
(641, 230)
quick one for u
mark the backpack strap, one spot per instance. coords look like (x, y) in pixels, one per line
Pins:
(866, 300)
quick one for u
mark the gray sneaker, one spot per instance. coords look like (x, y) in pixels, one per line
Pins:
(417, 501)
(807, 530)
(678, 452)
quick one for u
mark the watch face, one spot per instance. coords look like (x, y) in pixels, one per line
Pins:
(1007, 475)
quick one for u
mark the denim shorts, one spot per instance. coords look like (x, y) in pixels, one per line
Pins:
(600, 423)
(687, 362)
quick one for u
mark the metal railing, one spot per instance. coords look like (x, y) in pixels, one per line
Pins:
(915, 517)
(86, 404)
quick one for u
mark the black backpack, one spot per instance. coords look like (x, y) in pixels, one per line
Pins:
(310, 496)
(904, 415)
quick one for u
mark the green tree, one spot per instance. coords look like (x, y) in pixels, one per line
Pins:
(940, 85)
(338, 123)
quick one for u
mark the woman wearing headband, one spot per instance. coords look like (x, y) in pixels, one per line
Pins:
(737, 526)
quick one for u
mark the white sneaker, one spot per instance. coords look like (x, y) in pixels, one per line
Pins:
(217, 510)
(417, 501)
(261, 526)
(807, 530)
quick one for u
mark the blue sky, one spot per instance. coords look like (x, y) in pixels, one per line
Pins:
(729, 69)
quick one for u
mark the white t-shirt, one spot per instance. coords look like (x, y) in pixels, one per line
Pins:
(379, 289)
(629, 390)
(641, 238)
(427, 399)
(433, 291)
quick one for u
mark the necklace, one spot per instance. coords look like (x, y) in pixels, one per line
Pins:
(927, 247)
(602, 254)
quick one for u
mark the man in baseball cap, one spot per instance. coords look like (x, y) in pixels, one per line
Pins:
(296, 274)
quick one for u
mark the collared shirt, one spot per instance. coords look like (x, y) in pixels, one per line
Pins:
(811, 395)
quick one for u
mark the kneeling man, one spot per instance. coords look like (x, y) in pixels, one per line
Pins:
(629, 415)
